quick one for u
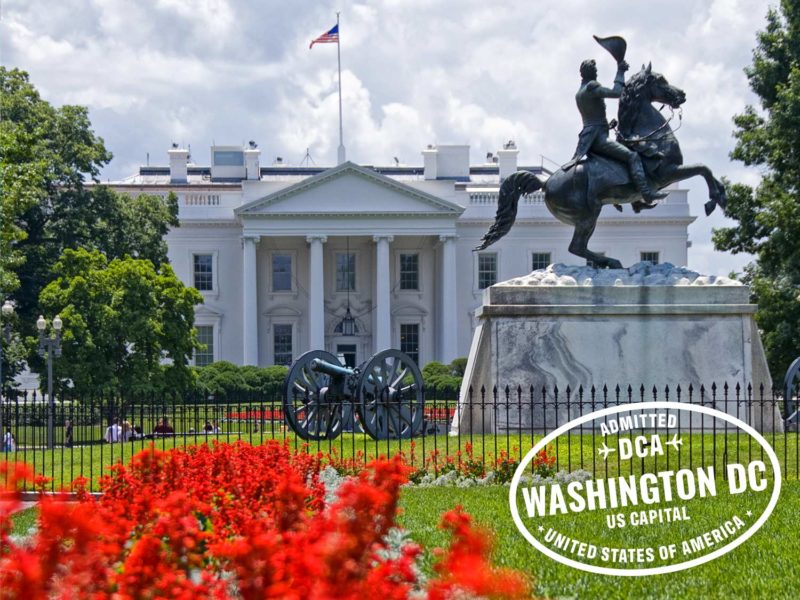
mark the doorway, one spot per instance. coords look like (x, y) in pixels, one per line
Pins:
(349, 352)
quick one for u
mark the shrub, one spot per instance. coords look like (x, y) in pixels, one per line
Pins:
(264, 380)
(439, 377)
(225, 381)
(459, 366)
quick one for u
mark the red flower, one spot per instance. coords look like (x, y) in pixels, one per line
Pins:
(235, 520)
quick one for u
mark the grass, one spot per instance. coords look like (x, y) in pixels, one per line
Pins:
(763, 567)
(22, 521)
(91, 460)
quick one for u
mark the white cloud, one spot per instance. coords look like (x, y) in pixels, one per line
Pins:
(414, 72)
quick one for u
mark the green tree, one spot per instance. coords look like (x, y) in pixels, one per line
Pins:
(47, 154)
(127, 324)
(768, 217)
(440, 377)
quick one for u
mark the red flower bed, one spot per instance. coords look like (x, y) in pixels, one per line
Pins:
(276, 414)
(236, 521)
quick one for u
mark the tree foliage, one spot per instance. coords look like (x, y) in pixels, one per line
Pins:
(47, 154)
(768, 217)
(226, 381)
(444, 378)
(127, 323)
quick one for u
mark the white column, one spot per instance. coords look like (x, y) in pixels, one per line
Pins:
(316, 293)
(449, 309)
(382, 337)
(250, 304)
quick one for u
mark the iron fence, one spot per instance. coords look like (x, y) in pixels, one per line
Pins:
(473, 432)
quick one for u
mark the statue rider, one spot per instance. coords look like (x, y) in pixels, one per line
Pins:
(594, 135)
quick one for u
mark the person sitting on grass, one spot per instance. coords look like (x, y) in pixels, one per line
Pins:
(113, 432)
(164, 428)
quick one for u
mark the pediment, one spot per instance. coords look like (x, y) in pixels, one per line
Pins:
(208, 311)
(349, 189)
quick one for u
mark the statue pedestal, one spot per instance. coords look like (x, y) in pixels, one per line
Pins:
(657, 332)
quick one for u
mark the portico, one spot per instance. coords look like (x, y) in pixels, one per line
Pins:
(383, 249)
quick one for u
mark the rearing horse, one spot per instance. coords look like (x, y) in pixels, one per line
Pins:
(575, 196)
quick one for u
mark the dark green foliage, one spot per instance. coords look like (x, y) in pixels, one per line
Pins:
(459, 366)
(768, 217)
(47, 154)
(444, 378)
(225, 381)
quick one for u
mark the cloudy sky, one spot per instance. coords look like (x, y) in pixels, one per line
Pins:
(414, 72)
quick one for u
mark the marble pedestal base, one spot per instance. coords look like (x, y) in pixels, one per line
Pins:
(678, 338)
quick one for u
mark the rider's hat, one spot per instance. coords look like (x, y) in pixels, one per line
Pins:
(615, 45)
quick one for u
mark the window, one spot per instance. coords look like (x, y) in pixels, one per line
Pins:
(409, 340)
(229, 158)
(205, 355)
(282, 344)
(345, 272)
(409, 271)
(203, 272)
(540, 260)
(281, 272)
(649, 256)
(487, 270)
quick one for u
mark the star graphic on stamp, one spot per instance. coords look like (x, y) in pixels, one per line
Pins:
(541, 528)
(749, 513)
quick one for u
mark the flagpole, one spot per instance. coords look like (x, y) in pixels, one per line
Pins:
(339, 56)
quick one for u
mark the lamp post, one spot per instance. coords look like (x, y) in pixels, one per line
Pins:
(50, 345)
(6, 311)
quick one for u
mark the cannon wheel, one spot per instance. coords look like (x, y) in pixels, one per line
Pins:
(309, 411)
(390, 403)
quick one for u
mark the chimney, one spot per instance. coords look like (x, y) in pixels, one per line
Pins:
(507, 159)
(447, 162)
(429, 162)
(251, 161)
(178, 159)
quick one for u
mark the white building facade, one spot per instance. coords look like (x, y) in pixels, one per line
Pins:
(355, 259)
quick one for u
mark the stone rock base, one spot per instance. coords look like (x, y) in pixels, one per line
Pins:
(565, 341)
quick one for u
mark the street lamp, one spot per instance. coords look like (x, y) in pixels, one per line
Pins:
(50, 345)
(7, 311)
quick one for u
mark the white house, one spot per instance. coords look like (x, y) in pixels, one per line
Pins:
(282, 253)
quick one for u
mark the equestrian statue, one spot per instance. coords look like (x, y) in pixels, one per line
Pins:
(644, 158)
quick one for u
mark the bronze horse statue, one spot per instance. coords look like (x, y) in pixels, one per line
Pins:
(575, 195)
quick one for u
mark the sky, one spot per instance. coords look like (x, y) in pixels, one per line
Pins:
(414, 72)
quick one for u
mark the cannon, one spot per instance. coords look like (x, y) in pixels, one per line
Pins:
(320, 395)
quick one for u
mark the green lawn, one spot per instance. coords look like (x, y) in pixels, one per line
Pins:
(23, 520)
(765, 566)
(572, 452)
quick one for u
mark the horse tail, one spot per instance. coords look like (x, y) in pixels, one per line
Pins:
(515, 185)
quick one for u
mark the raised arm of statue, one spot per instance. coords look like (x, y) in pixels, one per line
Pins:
(619, 83)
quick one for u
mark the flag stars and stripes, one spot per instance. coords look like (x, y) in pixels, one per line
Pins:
(329, 37)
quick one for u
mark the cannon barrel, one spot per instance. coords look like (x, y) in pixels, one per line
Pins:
(323, 366)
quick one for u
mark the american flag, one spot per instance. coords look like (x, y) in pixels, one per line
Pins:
(329, 37)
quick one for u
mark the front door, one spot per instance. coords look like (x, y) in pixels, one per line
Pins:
(348, 351)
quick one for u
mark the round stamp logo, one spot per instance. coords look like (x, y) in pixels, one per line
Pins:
(671, 486)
